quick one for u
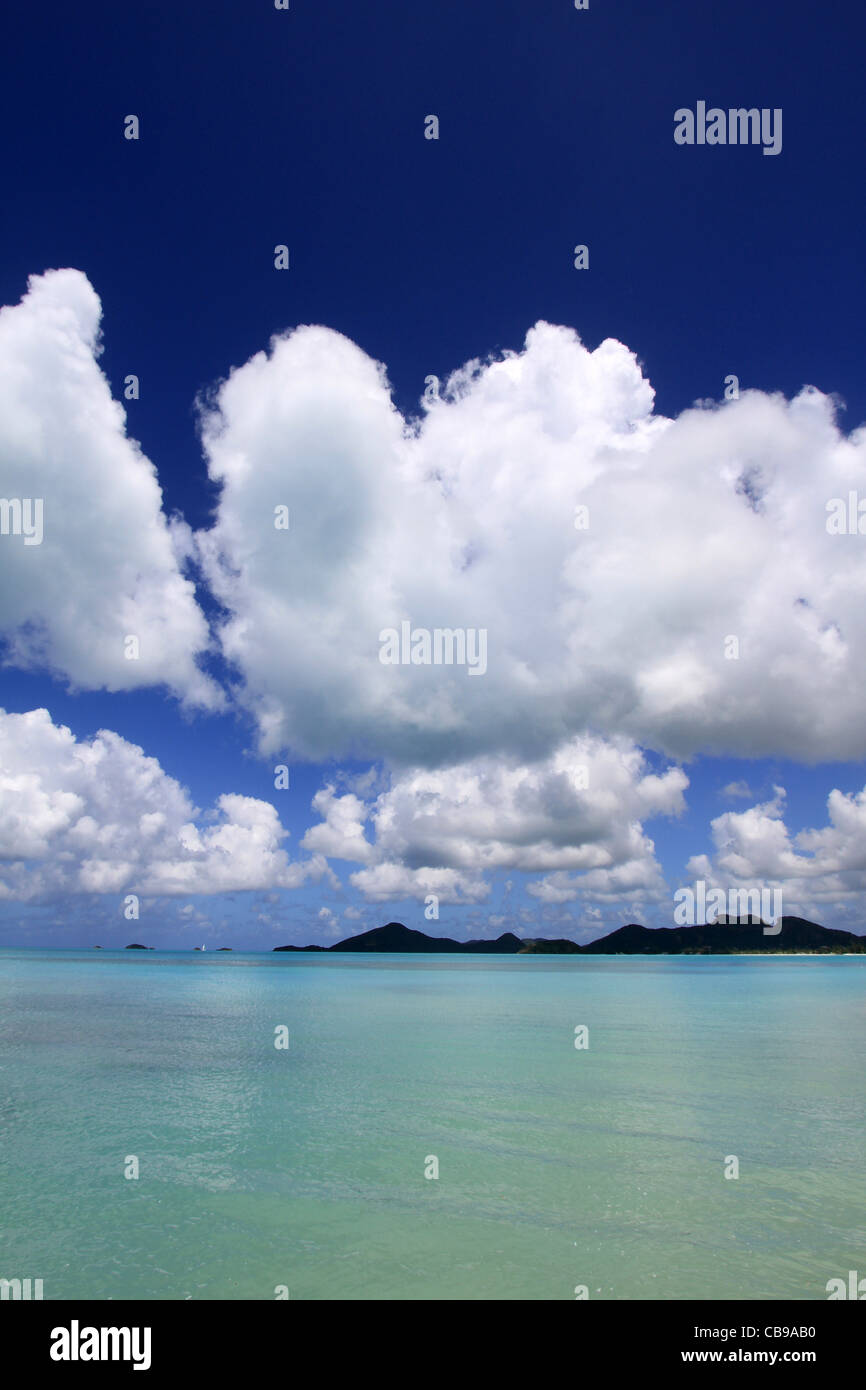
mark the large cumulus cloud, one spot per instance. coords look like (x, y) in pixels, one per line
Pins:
(700, 529)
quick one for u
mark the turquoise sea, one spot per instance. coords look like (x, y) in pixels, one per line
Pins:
(305, 1167)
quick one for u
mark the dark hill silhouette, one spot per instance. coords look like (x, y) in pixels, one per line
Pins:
(743, 934)
(395, 937)
(722, 937)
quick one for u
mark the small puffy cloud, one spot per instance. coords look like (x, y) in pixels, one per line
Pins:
(737, 790)
(387, 882)
(109, 565)
(99, 816)
(638, 880)
(341, 835)
(575, 817)
(328, 922)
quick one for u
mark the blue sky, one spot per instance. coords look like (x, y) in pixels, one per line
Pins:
(706, 521)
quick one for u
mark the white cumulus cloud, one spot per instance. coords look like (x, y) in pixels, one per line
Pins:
(99, 816)
(704, 607)
(575, 818)
(820, 872)
(107, 567)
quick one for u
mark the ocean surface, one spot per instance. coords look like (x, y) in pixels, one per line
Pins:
(304, 1168)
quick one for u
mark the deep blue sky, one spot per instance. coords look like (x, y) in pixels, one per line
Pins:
(306, 127)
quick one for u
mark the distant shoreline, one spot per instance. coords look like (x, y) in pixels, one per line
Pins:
(185, 951)
(726, 937)
(788, 936)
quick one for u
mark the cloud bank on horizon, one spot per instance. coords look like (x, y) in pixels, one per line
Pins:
(99, 816)
(644, 583)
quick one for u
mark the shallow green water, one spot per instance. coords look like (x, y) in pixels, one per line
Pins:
(305, 1167)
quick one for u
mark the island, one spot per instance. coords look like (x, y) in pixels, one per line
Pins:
(725, 937)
